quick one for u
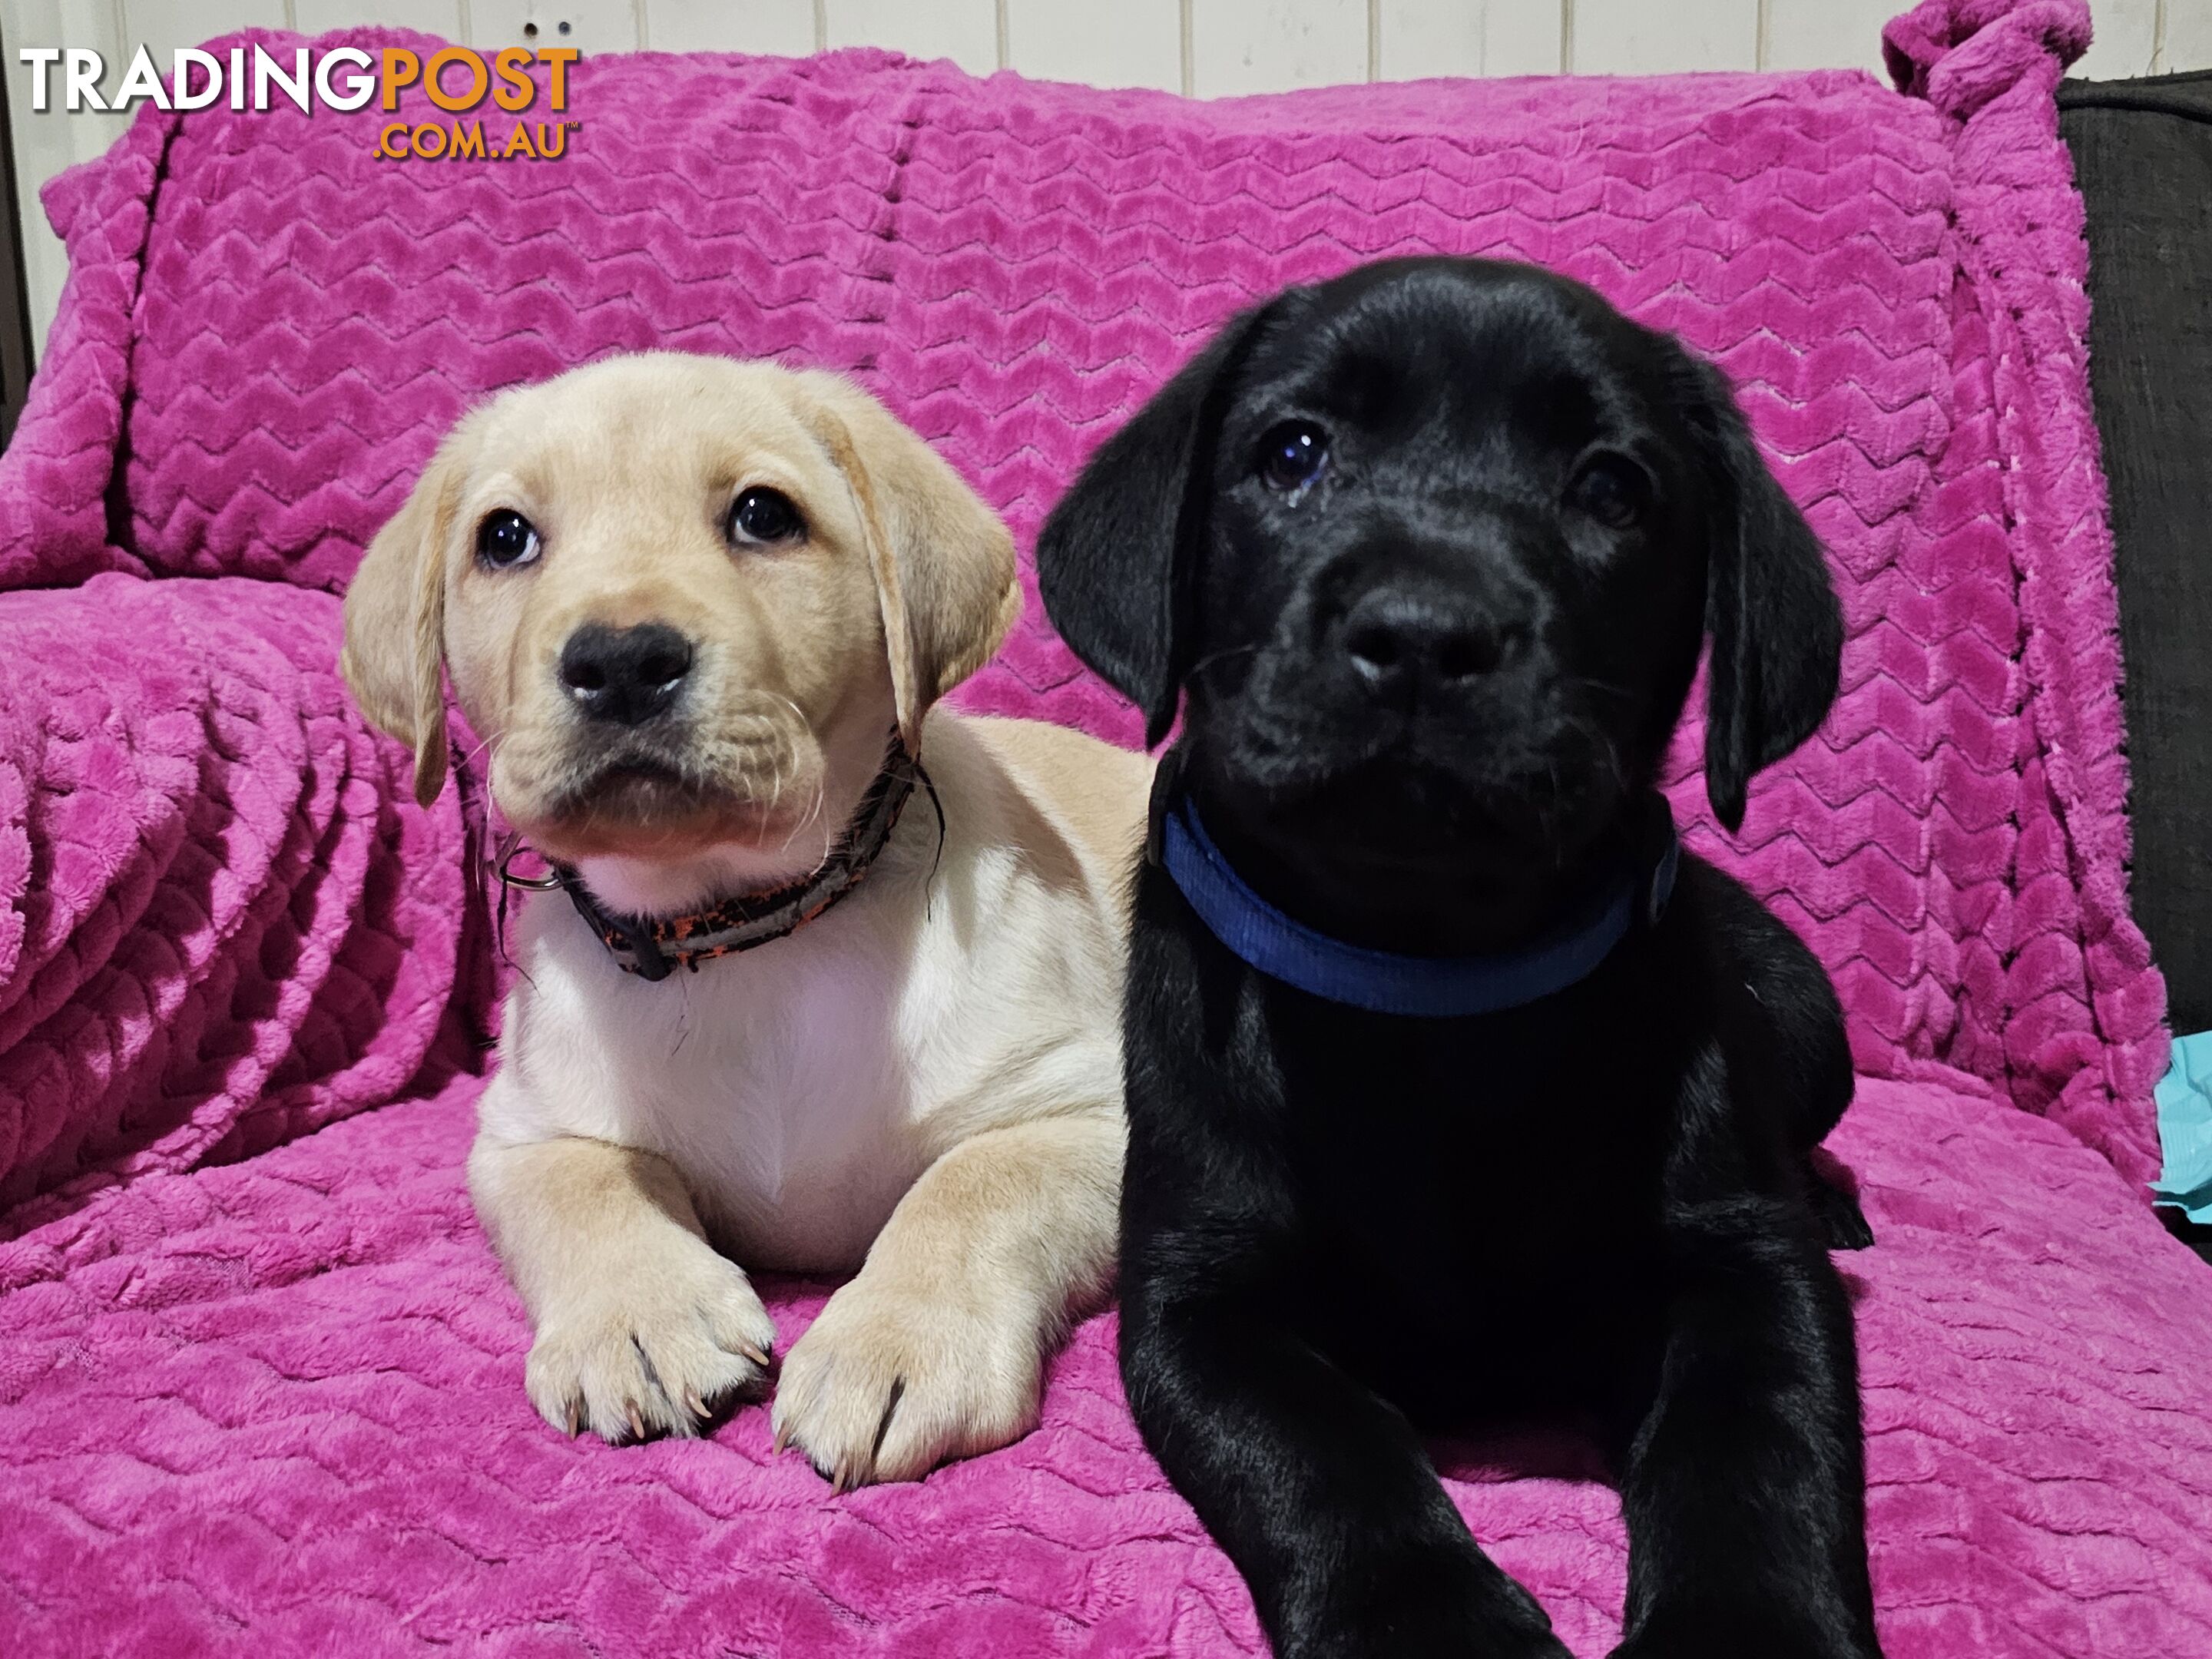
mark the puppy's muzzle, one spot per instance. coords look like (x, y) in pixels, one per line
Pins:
(624, 676)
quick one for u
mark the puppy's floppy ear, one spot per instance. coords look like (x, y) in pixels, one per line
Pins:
(1776, 628)
(1118, 558)
(395, 617)
(943, 564)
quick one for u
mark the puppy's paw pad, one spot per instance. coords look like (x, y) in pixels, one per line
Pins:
(657, 1353)
(886, 1385)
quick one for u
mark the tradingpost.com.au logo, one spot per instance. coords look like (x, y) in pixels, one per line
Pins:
(456, 80)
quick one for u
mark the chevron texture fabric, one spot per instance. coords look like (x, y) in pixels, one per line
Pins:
(260, 1380)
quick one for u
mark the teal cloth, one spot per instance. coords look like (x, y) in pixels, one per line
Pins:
(2185, 1129)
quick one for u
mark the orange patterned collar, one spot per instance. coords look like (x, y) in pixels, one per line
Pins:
(654, 947)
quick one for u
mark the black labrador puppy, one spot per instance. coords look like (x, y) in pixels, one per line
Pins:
(1457, 1093)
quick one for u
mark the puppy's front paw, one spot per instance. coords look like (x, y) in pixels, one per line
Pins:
(889, 1383)
(653, 1351)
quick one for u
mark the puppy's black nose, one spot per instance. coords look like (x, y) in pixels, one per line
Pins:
(1399, 640)
(625, 675)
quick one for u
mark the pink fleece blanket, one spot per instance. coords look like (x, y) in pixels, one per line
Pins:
(271, 1400)
(223, 920)
(276, 1408)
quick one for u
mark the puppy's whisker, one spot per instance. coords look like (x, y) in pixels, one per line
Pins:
(1604, 688)
(798, 713)
(775, 800)
(1603, 748)
(798, 826)
(815, 807)
(807, 820)
(813, 804)
(1215, 658)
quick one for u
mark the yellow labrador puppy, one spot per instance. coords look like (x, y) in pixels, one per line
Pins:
(700, 611)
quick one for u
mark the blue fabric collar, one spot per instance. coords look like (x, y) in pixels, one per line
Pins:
(1431, 987)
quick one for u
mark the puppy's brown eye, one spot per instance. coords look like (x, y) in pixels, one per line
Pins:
(506, 539)
(765, 515)
(1612, 490)
(1292, 455)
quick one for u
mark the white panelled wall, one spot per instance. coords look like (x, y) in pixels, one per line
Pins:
(1205, 48)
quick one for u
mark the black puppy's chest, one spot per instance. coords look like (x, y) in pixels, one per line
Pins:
(1480, 1198)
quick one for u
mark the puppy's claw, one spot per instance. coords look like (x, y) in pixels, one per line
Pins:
(695, 1406)
(755, 1353)
(636, 1422)
(890, 1409)
(1841, 1224)
(575, 1418)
